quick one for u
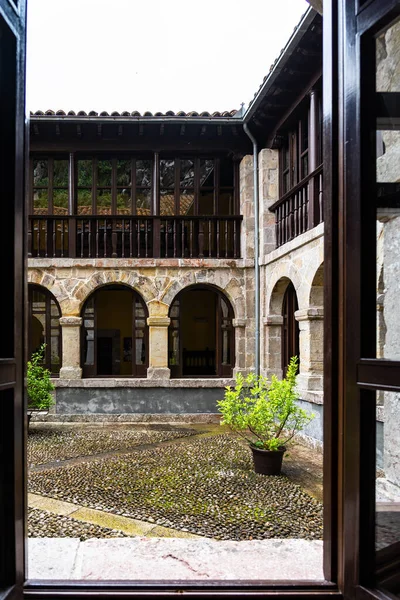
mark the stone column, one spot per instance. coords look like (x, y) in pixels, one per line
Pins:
(273, 345)
(268, 163)
(158, 322)
(310, 378)
(71, 351)
(240, 346)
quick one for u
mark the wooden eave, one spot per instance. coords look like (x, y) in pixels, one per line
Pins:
(298, 68)
(96, 134)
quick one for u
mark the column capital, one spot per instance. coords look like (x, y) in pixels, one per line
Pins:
(273, 320)
(309, 314)
(71, 321)
(239, 322)
(158, 321)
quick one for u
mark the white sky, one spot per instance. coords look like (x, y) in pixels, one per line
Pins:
(155, 55)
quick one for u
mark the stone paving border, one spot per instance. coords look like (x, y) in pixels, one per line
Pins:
(129, 526)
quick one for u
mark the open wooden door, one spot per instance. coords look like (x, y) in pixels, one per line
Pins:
(12, 248)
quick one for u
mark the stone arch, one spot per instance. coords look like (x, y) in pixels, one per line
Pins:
(275, 345)
(114, 343)
(44, 310)
(316, 297)
(201, 336)
(232, 290)
(138, 283)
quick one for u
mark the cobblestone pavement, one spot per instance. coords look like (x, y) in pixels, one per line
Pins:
(202, 485)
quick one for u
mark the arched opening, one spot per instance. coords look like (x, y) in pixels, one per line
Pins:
(114, 339)
(201, 335)
(290, 327)
(44, 326)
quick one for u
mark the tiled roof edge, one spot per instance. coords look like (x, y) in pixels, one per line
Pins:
(280, 62)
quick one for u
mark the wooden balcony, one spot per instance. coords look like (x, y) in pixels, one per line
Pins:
(133, 237)
(300, 209)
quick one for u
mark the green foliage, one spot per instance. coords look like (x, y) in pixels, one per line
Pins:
(265, 413)
(39, 385)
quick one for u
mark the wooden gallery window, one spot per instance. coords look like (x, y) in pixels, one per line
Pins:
(44, 327)
(113, 186)
(49, 186)
(290, 328)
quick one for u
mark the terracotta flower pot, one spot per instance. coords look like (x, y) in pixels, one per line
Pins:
(268, 462)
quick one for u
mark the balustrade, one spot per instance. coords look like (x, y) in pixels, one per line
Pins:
(133, 237)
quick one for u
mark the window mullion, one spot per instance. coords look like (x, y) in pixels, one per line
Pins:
(216, 186)
(50, 173)
(114, 186)
(94, 186)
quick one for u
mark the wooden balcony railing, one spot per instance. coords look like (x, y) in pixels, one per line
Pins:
(300, 209)
(133, 237)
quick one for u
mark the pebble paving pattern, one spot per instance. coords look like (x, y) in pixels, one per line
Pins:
(206, 486)
(42, 523)
(46, 445)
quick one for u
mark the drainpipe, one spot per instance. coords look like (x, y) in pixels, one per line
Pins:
(256, 249)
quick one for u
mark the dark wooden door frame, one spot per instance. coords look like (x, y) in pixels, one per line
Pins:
(350, 292)
(13, 339)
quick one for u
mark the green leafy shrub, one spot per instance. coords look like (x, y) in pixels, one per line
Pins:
(39, 384)
(263, 412)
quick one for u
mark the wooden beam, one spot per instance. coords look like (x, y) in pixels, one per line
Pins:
(162, 129)
(219, 130)
(79, 131)
(203, 129)
(36, 129)
(182, 130)
(58, 130)
(141, 129)
(99, 129)
(120, 130)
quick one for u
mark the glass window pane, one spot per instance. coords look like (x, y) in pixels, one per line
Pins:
(167, 203)
(84, 202)
(388, 195)
(167, 173)
(124, 201)
(226, 203)
(226, 172)
(40, 172)
(387, 526)
(143, 173)
(40, 202)
(206, 202)
(206, 172)
(124, 173)
(85, 172)
(187, 174)
(104, 173)
(304, 166)
(143, 202)
(186, 203)
(103, 202)
(140, 348)
(60, 202)
(89, 354)
(60, 173)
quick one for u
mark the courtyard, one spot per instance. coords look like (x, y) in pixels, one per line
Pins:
(166, 481)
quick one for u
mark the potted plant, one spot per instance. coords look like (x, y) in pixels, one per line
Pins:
(266, 414)
(39, 384)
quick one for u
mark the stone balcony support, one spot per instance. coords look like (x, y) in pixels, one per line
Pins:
(158, 322)
(71, 351)
(310, 378)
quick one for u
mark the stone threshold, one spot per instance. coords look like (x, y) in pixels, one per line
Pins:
(175, 560)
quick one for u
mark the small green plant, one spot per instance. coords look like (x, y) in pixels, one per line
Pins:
(39, 384)
(265, 413)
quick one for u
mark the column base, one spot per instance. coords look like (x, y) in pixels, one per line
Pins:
(158, 373)
(70, 373)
